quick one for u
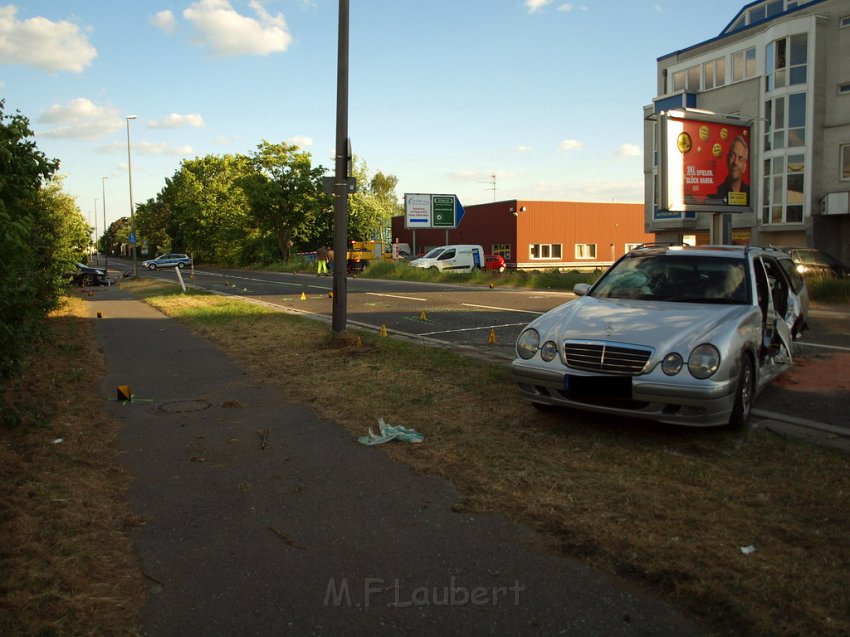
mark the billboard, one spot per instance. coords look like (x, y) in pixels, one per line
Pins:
(431, 211)
(705, 162)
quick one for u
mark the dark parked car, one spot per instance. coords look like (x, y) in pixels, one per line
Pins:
(87, 276)
(811, 261)
(170, 260)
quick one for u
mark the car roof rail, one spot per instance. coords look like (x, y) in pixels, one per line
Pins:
(659, 245)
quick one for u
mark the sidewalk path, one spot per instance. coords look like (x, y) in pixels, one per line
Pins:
(263, 519)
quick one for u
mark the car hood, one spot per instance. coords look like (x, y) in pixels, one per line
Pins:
(661, 325)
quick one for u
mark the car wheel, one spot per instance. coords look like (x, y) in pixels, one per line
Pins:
(152, 266)
(181, 265)
(433, 268)
(86, 280)
(743, 394)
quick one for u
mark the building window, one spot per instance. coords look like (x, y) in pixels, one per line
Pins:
(844, 22)
(714, 73)
(744, 64)
(844, 162)
(585, 251)
(678, 81)
(783, 194)
(503, 250)
(844, 88)
(786, 60)
(632, 246)
(544, 250)
(693, 79)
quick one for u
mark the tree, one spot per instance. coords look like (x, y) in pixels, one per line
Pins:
(286, 198)
(29, 236)
(209, 212)
(372, 207)
(153, 221)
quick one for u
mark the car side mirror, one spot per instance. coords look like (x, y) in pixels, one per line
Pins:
(580, 289)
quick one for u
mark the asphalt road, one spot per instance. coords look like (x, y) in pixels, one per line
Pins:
(487, 321)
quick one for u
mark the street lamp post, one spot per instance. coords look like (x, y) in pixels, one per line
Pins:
(132, 205)
(105, 249)
(96, 254)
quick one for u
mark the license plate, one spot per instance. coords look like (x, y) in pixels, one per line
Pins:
(598, 386)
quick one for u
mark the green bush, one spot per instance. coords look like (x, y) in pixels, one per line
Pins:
(828, 289)
(40, 239)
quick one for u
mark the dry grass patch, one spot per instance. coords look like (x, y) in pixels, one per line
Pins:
(668, 507)
(66, 567)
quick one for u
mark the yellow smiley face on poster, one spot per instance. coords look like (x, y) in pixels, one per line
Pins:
(683, 143)
(716, 150)
(703, 133)
(724, 134)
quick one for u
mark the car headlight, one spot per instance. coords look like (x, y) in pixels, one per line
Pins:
(549, 351)
(527, 344)
(672, 364)
(704, 361)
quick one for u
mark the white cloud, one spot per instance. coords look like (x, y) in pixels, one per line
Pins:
(629, 150)
(569, 6)
(226, 32)
(148, 148)
(165, 21)
(175, 120)
(80, 119)
(43, 44)
(571, 144)
(523, 149)
(302, 141)
(536, 5)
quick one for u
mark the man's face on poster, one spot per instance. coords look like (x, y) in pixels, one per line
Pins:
(737, 160)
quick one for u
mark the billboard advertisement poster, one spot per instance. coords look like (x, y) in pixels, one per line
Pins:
(705, 162)
(417, 210)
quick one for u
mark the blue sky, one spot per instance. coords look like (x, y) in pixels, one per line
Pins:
(545, 95)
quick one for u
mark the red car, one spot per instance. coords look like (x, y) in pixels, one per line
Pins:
(494, 263)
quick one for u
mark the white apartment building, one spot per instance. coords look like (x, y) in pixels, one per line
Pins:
(783, 65)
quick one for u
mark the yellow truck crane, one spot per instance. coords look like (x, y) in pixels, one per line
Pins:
(362, 253)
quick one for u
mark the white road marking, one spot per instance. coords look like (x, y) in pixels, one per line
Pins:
(396, 296)
(501, 309)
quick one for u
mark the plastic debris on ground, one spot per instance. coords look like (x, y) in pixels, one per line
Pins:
(746, 550)
(389, 432)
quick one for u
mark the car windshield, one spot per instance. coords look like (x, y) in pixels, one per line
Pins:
(683, 278)
(434, 253)
(816, 257)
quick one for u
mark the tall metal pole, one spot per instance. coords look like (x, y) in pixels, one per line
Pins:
(132, 205)
(105, 249)
(340, 242)
(96, 255)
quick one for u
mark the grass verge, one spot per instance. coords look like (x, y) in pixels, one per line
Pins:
(66, 566)
(670, 508)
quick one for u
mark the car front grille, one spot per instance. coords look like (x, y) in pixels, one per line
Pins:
(599, 356)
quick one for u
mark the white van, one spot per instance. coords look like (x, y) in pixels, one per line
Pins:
(452, 258)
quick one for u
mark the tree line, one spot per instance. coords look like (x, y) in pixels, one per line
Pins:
(42, 234)
(254, 209)
(227, 210)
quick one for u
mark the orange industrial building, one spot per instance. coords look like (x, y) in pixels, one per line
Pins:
(540, 234)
